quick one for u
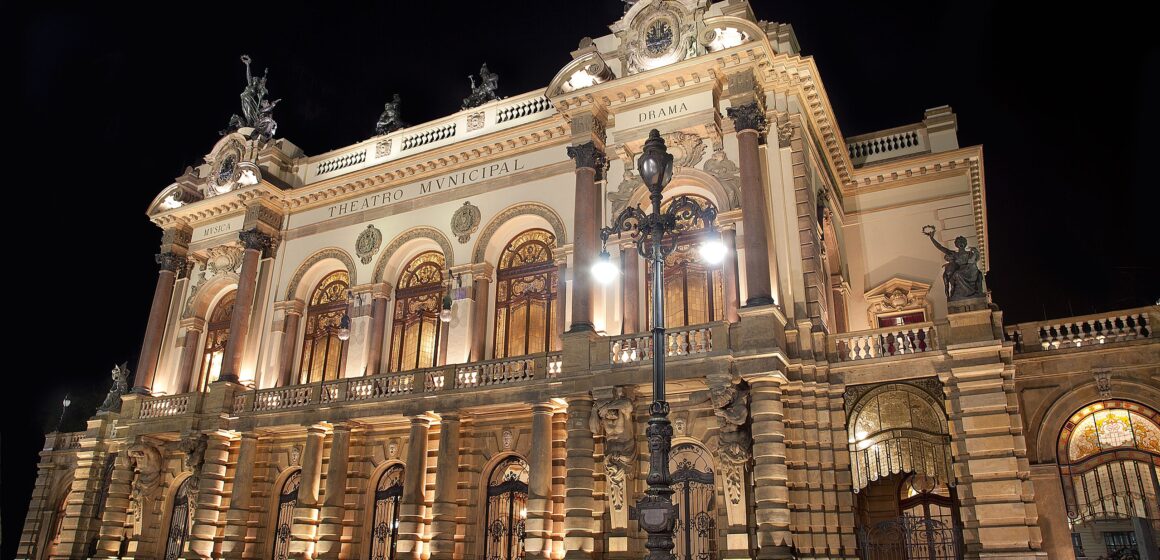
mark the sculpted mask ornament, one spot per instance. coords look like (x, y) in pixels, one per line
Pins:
(507, 440)
(393, 449)
(465, 221)
(119, 387)
(368, 243)
(731, 406)
(613, 418)
(194, 448)
(295, 456)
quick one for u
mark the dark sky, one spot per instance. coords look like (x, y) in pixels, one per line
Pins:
(113, 102)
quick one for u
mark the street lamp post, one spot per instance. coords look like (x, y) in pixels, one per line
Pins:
(656, 236)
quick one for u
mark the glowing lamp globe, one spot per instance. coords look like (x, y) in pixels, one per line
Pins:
(603, 270)
(713, 251)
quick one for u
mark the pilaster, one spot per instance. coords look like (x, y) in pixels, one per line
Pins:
(444, 507)
(411, 510)
(304, 531)
(211, 482)
(238, 516)
(580, 466)
(334, 499)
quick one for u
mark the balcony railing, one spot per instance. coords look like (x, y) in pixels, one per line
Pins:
(887, 144)
(683, 341)
(492, 373)
(67, 440)
(175, 405)
(882, 343)
(1086, 330)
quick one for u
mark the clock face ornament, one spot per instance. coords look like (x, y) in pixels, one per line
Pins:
(226, 169)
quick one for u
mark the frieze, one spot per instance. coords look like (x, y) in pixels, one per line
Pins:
(465, 221)
(531, 208)
(367, 243)
(422, 232)
(749, 116)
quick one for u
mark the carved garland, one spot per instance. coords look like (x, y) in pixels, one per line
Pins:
(530, 208)
(327, 253)
(412, 234)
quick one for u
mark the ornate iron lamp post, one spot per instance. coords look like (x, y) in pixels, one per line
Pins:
(656, 236)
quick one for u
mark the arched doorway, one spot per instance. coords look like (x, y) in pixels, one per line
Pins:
(385, 515)
(180, 518)
(900, 459)
(694, 494)
(287, 501)
(507, 509)
(1109, 454)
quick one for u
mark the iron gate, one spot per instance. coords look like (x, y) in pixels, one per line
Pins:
(179, 520)
(287, 500)
(910, 538)
(385, 524)
(693, 494)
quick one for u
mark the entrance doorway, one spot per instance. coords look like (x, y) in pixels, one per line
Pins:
(908, 517)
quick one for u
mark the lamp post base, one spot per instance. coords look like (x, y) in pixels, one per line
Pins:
(655, 511)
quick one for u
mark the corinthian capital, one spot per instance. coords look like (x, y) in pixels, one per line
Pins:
(587, 155)
(170, 261)
(258, 240)
(749, 116)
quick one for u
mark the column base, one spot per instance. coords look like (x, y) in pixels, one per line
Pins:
(775, 553)
(758, 301)
(582, 327)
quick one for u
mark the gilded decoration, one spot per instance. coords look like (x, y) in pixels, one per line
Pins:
(531, 208)
(897, 296)
(328, 253)
(898, 428)
(367, 243)
(465, 221)
(422, 232)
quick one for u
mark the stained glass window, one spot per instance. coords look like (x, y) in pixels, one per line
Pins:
(526, 303)
(694, 290)
(418, 299)
(217, 332)
(323, 353)
(1101, 427)
(1106, 451)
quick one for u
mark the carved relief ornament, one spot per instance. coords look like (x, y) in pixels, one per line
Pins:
(587, 155)
(612, 416)
(897, 296)
(367, 243)
(465, 221)
(749, 116)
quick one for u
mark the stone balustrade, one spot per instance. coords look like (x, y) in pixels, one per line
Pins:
(67, 440)
(887, 144)
(280, 398)
(174, 405)
(1085, 330)
(682, 341)
(509, 371)
(882, 343)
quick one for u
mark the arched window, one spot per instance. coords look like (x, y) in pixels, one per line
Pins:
(56, 522)
(507, 509)
(323, 353)
(385, 516)
(180, 519)
(526, 303)
(418, 298)
(1107, 456)
(693, 494)
(694, 291)
(217, 331)
(287, 501)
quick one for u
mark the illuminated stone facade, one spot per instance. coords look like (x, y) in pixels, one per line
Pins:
(822, 388)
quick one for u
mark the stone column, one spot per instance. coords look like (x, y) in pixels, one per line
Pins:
(579, 466)
(116, 514)
(630, 263)
(211, 486)
(562, 299)
(256, 243)
(538, 543)
(380, 310)
(771, 492)
(585, 245)
(1053, 520)
(444, 508)
(749, 121)
(334, 500)
(414, 490)
(169, 262)
(481, 295)
(729, 276)
(238, 516)
(292, 310)
(304, 530)
(189, 349)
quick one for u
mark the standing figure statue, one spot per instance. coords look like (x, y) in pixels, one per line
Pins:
(961, 275)
(390, 120)
(485, 91)
(120, 386)
(257, 112)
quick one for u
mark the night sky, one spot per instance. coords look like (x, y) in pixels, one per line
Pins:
(114, 102)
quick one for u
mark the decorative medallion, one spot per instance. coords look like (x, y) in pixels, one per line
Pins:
(660, 34)
(383, 148)
(475, 121)
(393, 449)
(507, 440)
(367, 243)
(226, 169)
(465, 221)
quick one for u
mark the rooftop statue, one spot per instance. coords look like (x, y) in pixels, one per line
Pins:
(257, 111)
(390, 120)
(119, 387)
(485, 91)
(961, 275)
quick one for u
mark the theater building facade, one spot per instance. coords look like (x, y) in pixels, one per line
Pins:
(395, 350)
